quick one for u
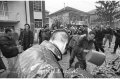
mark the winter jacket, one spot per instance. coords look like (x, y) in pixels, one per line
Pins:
(117, 34)
(74, 40)
(100, 34)
(26, 38)
(39, 61)
(83, 44)
(8, 46)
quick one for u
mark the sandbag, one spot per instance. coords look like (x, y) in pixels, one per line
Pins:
(95, 57)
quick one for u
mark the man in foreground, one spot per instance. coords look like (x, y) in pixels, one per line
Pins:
(41, 61)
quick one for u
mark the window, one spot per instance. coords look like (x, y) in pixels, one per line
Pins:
(3, 7)
(38, 23)
(47, 20)
(37, 6)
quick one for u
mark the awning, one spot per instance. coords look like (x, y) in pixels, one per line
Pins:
(8, 21)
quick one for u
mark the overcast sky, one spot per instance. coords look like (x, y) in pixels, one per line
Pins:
(83, 5)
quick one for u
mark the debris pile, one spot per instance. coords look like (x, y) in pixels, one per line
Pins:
(110, 69)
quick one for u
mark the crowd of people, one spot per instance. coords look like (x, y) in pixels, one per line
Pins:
(41, 60)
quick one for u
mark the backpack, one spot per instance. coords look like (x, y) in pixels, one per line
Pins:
(8, 47)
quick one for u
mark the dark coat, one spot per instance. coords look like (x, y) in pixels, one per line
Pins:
(26, 38)
(78, 51)
(39, 61)
(40, 36)
(109, 31)
(117, 35)
(83, 43)
(100, 34)
(74, 40)
(8, 46)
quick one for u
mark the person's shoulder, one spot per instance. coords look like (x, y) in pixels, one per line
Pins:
(31, 53)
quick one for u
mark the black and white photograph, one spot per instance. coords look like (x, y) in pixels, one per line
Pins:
(59, 38)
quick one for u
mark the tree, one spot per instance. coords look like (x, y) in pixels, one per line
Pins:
(106, 11)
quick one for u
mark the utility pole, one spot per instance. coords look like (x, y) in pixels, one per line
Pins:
(41, 12)
(63, 17)
(64, 6)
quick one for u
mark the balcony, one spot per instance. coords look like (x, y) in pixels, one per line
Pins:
(8, 16)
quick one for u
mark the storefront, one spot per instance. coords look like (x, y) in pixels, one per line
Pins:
(7, 24)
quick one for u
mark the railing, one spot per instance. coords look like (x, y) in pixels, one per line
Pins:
(8, 15)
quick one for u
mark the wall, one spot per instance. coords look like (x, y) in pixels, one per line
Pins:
(18, 6)
(93, 17)
(74, 17)
(64, 17)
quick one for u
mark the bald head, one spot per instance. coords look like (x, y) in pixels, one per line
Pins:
(60, 36)
(60, 39)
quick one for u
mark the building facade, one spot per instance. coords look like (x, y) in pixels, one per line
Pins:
(15, 14)
(93, 20)
(68, 15)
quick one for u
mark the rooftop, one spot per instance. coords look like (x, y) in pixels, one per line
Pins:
(68, 9)
(92, 11)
